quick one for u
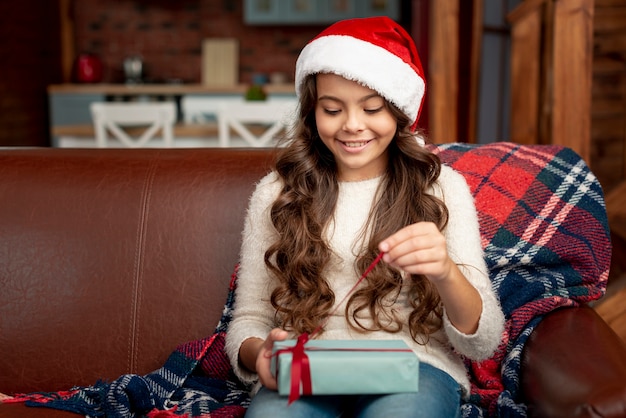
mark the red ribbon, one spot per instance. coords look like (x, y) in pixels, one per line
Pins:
(300, 370)
(300, 365)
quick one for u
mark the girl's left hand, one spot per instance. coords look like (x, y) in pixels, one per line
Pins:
(419, 248)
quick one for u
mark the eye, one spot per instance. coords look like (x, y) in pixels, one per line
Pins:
(331, 112)
(373, 110)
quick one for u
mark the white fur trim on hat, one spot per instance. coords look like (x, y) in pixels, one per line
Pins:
(367, 64)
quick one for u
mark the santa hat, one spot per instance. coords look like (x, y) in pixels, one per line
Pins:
(375, 52)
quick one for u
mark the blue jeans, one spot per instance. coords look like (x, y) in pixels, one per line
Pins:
(438, 396)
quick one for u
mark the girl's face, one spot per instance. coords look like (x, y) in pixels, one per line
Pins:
(355, 125)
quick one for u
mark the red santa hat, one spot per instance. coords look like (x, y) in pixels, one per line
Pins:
(375, 52)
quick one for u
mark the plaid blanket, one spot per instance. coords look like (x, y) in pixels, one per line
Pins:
(546, 240)
(547, 245)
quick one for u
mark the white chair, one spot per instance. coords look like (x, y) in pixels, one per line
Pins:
(203, 109)
(147, 118)
(270, 117)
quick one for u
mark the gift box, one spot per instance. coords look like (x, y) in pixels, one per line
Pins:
(346, 367)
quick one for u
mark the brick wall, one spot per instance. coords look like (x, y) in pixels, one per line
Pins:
(168, 36)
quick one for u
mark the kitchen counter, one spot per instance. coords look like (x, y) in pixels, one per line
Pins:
(181, 129)
(70, 116)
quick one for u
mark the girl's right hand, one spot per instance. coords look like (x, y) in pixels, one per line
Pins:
(264, 358)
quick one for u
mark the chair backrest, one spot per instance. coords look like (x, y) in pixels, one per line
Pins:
(203, 109)
(148, 119)
(257, 123)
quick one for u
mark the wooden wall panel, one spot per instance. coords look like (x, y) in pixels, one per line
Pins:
(608, 108)
(474, 70)
(573, 59)
(68, 49)
(443, 63)
(525, 73)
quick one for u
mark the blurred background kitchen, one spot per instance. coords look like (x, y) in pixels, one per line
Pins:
(49, 46)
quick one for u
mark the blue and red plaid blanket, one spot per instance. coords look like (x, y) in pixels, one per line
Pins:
(546, 239)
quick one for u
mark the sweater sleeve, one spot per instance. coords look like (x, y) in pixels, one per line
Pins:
(253, 314)
(464, 247)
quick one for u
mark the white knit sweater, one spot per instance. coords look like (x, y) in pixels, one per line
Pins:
(254, 315)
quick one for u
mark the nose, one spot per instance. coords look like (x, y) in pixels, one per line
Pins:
(353, 121)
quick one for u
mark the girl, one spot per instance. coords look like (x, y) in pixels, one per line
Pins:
(353, 181)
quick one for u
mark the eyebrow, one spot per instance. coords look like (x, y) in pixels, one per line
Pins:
(361, 100)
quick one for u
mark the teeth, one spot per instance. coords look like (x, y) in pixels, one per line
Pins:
(355, 144)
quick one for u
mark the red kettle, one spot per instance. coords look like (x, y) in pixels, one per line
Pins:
(88, 68)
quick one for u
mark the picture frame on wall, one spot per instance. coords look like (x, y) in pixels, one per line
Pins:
(339, 9)
(261, 11)
(381, 7)
(389, 8)
(302, 11)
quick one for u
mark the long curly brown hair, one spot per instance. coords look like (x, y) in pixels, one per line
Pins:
(305, 206)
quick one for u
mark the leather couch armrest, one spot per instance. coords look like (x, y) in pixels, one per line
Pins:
(574, 365)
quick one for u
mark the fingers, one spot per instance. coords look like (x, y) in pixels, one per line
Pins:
(264, 358)
(277, 334)
(416, 237)
(417, 249)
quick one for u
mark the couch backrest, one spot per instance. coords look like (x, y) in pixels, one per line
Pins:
(111, 258)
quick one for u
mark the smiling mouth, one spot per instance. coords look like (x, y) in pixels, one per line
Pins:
(355, 144)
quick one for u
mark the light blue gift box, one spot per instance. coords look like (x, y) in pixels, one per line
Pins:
(349, 367)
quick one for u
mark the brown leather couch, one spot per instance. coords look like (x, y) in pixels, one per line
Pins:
(109, 259)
